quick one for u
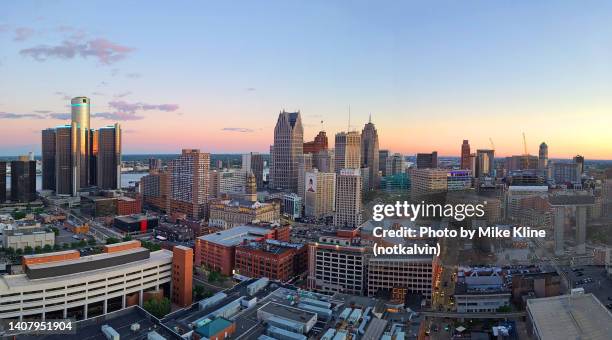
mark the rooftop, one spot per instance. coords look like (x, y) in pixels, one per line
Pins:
(235, 235)
(579, 316)
(134, 218)
(287, 312)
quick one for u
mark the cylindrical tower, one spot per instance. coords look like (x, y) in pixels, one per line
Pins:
(80, 116)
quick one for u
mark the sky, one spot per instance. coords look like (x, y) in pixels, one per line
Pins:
(214, 75)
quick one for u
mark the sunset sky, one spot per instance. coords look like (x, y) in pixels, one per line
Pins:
(214, 76)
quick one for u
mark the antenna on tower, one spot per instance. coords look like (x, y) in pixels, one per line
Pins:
(370, 119)
(349, 120)
(322, 125)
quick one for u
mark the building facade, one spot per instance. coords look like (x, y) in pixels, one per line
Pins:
(288, 145)
(369, 154)
(347, 151)
(109, 157)
(320, 194)
(348, 199)
(189, 180)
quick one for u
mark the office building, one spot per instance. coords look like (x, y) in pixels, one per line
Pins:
(67, 181)
(255, 163)
(580, 161)
(574, 316)
(318, 144)
(543, 156)
(522, 162)
(428, 181)
(23, 180)
(320, 194)
(155, 164)
(292, 206)
(427, 160)
(566, 173)
(21, 238)
(465, 156)
(413, 274)
(347, 151)
(458, 180)
(369, 154)
(232, 182)
(324, 160)
(155, 188)
(270, 258)
(226, 214)
(396, 164)
(288, 145)
(485, 163)
(2, 181)
(481, 293)
(65, 285)
(337, 264)
(348, 198)
(189, 180)
(94, 148)
(304, 165)
(217, 251)
(80, 122)
(48, 159)
(129, 205)
(109, 157)
(250, 190)
(383, 155)
(135, 224)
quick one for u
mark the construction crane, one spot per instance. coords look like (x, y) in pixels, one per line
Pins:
(492, 145)
(525, 153)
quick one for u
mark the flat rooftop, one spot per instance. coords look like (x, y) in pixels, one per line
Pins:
(235, 235)
(580, 316)
(22, 280)
(134, 218)
(287, 312)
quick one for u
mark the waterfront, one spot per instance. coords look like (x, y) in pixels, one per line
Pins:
(127, 180)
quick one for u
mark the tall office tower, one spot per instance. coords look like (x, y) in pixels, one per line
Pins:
(580, 161)
(320, 193)
(288, 145)
(48, 159)
(324, 160)
(348, 199)
(347, 151)
(189, 182)
(2, 181)
(543, 156)
(369, 153)
(485, 162)
(254, 162)
(318, 144)
(23, 180)
(109, 157)
(66, 175)
(427, 160)
(155, 164)
(80, 116)
(396, 164)
(251, 187)
(383, 156)
(465, 155)
(304, 165)
(94, 137)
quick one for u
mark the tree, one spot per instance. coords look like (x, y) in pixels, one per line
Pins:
(199, 292)
(92, 242)
(55, 231)
(10, 251)
(18, 214)
(19, 251)
(214, 276)
(65, 246)
(158, 307)
(504, 309)
(57, 247)
(47, 248)
(28, 250)
(38, 249)
(74, 245)
(82, 243)
(111, 240)
(127, 238)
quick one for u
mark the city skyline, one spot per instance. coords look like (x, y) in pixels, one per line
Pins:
(463, 71)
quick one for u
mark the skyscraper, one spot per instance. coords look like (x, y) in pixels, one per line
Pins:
(2, 181)
(369, 153)
(348, 198)
(427, 160)
(23, 180)
(318, 144)
(80, 116)
(189, 180)
(465, 155)
(288, 145)
(94, 136)
(254, 162)
(543, 156)
(396, 164)
(320, 193)
(485, 162)
(383, 155)
(109, 157)
(324, 160)
(66, 178)
(251, 187)
(347, 151)
(580, 161)
(304, 165)
(48, 159)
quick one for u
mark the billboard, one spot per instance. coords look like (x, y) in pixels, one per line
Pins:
(311, 182)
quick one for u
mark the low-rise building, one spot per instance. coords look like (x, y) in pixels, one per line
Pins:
(128, 205)
(136, 224)
(23, 238)
(273, 259)
(230, 213)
